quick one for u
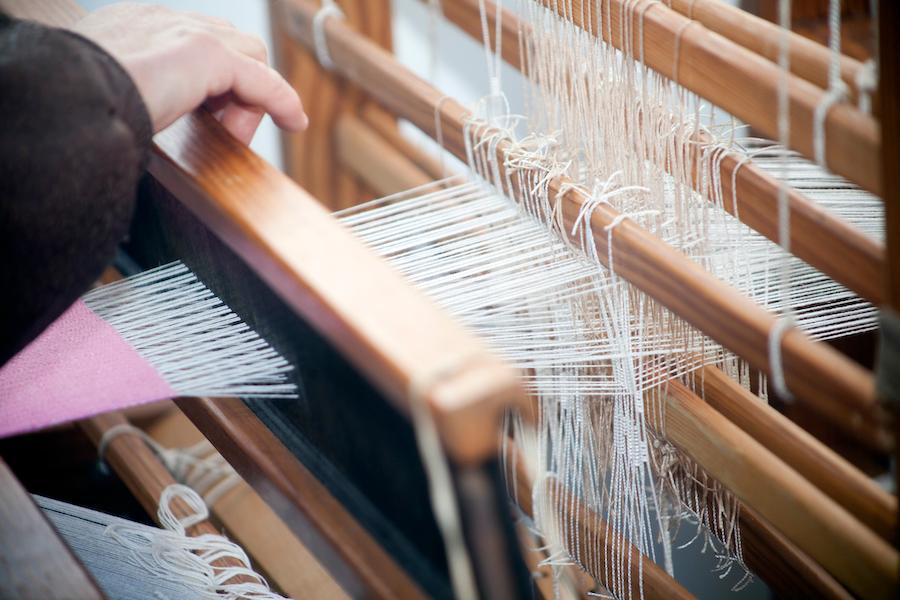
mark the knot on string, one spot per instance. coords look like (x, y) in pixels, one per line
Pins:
(328, 9)
(866, 84)
(776, 366)
(835, 94)
(442, 493)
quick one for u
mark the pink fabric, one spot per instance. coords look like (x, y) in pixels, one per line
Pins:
(79, 367)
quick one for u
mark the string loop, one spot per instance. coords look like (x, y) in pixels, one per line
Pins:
(328, 9)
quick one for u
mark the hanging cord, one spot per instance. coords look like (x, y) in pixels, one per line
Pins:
(496, 105)
(786, 318)
(442, 494)
(200, 467)
(328, 9)
(837, 89)
(676, 55)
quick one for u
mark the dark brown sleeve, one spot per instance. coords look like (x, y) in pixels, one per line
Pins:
(74, 141)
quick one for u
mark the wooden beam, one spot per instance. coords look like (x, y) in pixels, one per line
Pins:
(788, 571)
(357, 144)
(306, 256)
(861, 560)
(311, 157)
(146, 478)
(247, 519)
(339, 542)
(836, 387)
(825, 469)
(744, 83)
(34, 560)
(809, 60)
(831, 245)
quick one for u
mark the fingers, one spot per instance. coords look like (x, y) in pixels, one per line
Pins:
(256, 85)
(241, 121)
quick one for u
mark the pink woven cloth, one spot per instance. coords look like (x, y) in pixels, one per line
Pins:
(79, 367)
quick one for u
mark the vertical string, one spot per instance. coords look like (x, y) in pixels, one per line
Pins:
(785, 320)
(837, 89)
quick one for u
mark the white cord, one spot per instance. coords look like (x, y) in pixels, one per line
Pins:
(440, 483)
(837, 88)
(776, 366)
(328, 9)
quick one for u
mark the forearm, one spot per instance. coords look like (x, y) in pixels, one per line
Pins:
(74, 142)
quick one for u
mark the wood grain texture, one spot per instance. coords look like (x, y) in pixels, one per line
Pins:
(788, 571)
(830, 383)
(340, 543)
(34, 561)
(312, 157)
(821, 528)
(831, 245)
(745, 84)
(809, 60)
(247, 519)
(391, 332)
(825, 469)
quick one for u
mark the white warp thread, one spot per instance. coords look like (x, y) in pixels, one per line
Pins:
(188, 335)
(171, 555)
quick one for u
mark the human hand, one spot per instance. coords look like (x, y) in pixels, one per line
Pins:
(180, 61)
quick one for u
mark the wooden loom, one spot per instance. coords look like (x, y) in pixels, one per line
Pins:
(828, 530)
